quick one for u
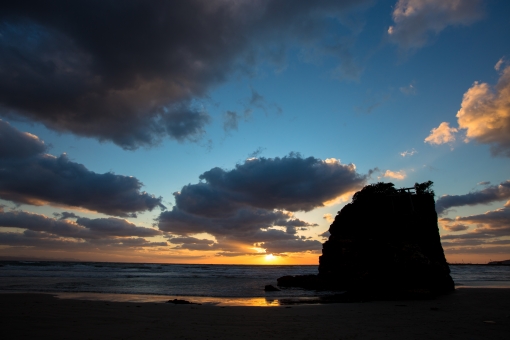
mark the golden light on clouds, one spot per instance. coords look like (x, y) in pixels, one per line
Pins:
(329, 217)
(442, 134)
(485, 113)
(400, 175)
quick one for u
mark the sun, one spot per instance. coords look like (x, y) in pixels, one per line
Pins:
(270, 257)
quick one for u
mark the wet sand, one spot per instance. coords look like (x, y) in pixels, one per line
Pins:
(469, 313)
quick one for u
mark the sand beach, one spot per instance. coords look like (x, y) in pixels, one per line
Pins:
(468, 313)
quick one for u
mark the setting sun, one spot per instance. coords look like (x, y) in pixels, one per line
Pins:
(270, 257)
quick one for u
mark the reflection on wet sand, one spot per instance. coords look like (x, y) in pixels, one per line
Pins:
(221, 301)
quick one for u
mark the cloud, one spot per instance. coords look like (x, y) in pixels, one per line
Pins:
(240, 230)
(488, 195)
(442, 134)
(135, 72)
(296, 245)
(485, 114)
(83, 228)
(492, 231)
(15, 144)
(373, 171)
(416, 20)
(410, 153)
(115, 227)
(499, 64)
(408, 90)
(496, 222)
(400, 175)
(29, 176)
(230, 121)
(253, 203)
(291, 183)
(65, 215)
(372, 102)
(43, 241)
(329, 218)
(192, 243)
(257, 153)
(455, 227)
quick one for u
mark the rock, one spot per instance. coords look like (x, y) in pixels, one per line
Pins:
(385, 243)
(271, 288)
(181, 302)
(303, 281)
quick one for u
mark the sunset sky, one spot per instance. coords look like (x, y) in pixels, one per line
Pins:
(233, 131)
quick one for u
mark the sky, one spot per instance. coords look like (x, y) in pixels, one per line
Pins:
(232, 131)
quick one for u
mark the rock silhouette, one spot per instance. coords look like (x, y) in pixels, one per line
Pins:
(271, 288)
(385, 243)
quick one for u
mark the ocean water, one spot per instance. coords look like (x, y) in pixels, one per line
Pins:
(152, 282)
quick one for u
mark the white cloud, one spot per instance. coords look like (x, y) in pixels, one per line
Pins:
(442, 134)
(410, 89)
(415, 20)
(409, 153)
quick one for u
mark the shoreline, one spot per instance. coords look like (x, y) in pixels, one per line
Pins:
(474, 313)
(268, 300)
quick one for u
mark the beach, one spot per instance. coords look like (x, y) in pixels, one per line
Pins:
(468, 313)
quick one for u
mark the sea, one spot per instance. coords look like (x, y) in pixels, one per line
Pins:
(206, 284)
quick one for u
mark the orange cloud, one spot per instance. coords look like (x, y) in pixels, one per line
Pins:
(329, 218)
(442, 134)
(400, 175)
(485, 113)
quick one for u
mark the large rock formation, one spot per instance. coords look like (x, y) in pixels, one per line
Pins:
(385, 243)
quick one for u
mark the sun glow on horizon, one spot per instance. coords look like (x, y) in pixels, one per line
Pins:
(270, 257)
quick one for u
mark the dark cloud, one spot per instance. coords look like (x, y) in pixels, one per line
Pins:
(115, 227)
(498, 219)
(257, 101)
(492, 231)
(65, 215)
(239, 224)
(15, 144)
(192, 243)
(32, 177)
(41, 240)
(130, 72)
(488, 195)
(291, 183)
(257, 153)
(455, 227)
(83, 228)
(294, 245)
(251, 203)
(416, 20)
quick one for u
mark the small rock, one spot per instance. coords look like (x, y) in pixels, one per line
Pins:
(180, 302)
(271, 288)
